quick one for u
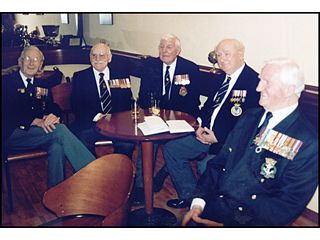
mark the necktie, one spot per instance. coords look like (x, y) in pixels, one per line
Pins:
(30, 88)
(217, 100)
(264, 124)
(167, 83)
(105, 97)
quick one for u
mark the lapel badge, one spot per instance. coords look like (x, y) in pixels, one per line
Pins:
(268, 168)
(21, 90)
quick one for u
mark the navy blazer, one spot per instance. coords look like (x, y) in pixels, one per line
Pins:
(152, 82)
(248, 80)
(18, 108)
(85, 98)
(237, 193)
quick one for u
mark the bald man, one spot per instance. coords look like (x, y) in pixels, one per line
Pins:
(221, 111)
(92, 94)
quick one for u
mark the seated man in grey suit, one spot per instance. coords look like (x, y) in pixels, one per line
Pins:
(94, 92)
(30, 122)
(267, 171)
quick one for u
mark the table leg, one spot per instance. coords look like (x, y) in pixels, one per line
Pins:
(150, 216)
(147, 152)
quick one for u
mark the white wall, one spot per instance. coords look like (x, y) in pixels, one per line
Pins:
(264, 35)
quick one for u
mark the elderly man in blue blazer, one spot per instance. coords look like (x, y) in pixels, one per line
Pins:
(174, 81)
(218, 116)
(267, 170)
(171, 79)
(96, 91)
(32, 121)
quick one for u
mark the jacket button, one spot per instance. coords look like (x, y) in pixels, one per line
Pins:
(221, 196)
(32, 108)
(262, 180)
(240, 209)
(230, 149)
(223, 169)
(253, 197)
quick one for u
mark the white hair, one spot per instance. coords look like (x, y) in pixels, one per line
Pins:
(289, 73)
(170, 36)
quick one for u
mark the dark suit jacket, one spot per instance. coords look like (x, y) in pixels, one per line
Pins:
(225, 121)
(235, 191)
(85, 98)
(152, 82)
(18, 108)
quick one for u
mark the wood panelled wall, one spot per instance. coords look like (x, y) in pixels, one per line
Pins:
(135, 62)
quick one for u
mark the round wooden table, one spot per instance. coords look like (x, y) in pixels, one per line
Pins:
(122, 126)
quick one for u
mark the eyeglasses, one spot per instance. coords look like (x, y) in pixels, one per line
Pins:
(29, 59)
(101, 56)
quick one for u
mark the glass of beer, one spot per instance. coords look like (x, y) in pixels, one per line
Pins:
(155, 107)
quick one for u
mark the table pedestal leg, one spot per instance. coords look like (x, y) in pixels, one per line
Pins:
(150, 216)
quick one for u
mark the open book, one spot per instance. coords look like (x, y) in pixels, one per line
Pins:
(154, 125)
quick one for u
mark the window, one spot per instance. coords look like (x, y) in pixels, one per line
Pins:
(105, 19)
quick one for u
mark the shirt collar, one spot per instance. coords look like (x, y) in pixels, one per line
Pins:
(279, 115)
(24, 78)
(171, 69)
(234, 76)
(105, 72)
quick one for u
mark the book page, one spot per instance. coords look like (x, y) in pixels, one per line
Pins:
(179, 126)
(153, 125)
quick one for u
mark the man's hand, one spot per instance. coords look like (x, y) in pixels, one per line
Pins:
(206, 136)
(194, 215)
(190, 215)
(47, 122)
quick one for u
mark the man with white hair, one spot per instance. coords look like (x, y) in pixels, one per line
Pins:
(28, 123)
(174, 81)
(267, 170)
(96, 91)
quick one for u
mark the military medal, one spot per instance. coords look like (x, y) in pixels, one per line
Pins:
(236, 110)
(182, 80)
(120, 83)
(238, 96)
(268, 168)
(278, 143)
(183, 91)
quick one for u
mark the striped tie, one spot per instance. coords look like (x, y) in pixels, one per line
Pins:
(217, 100)
(105, 97)
(167, 83)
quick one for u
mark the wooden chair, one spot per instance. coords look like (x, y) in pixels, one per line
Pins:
(61, 95)
(96, 195)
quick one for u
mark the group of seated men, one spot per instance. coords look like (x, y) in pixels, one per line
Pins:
(262, 153)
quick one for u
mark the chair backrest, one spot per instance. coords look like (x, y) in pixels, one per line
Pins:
(61, 95)
(102, 188)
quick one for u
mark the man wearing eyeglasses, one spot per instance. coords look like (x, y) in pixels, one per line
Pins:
(96, 92)
(29, 124)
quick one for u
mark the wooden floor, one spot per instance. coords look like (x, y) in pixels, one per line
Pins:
(29, 179)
